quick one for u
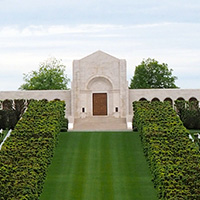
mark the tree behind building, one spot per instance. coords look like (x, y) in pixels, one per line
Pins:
(151, 74)
(50, 76)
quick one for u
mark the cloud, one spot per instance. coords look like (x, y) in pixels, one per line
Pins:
(23, 48)
(155, 30)
(143, 37)
(33, 30)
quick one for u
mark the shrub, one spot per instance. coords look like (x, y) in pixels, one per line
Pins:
(26, 154)
(172, 157)
(64, 127)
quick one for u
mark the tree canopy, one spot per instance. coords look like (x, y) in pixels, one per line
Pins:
(50, 76)
(151, 74)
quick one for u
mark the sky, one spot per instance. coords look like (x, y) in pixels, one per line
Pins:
(33, 31)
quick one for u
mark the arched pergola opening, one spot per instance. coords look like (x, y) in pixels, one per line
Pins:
(20, 106)
(193, 103)
(56, 99)
(155, 99)
(1, 105)
(142, 99)
(169, 100)
(180, 103)
(181, 99)
(7, 104)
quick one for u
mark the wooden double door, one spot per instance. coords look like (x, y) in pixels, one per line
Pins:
(99, 103)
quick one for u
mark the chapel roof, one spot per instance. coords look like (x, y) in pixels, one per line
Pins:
(99, 55)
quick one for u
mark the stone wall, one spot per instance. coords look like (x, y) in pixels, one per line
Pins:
(64, 95)
(161, 94)
(133, 95)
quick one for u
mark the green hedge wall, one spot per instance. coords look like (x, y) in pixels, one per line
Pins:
(173, 159)
(26, 154)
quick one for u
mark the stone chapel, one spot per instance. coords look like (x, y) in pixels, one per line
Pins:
(99, 86)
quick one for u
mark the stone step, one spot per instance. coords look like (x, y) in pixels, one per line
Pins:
(100, 124)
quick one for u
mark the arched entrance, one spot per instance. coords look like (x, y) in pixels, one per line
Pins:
(100, 88)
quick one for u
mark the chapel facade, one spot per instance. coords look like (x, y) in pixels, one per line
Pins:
(99, 86)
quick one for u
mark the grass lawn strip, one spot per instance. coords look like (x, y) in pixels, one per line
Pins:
(92, 186)
(100, 165)
(76, 183)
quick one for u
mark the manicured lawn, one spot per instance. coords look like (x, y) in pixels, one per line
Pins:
(99, 166)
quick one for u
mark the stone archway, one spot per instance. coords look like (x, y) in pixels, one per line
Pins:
(100, 89)
(99, 83)
(155, 99)
(194, 103)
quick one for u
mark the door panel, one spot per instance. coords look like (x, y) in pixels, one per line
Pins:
(99, 103)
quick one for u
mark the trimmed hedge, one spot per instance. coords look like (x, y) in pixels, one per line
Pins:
(26, 154)
(173, 159)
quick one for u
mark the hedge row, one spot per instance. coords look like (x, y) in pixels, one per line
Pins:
(174, 160)
(26, 154)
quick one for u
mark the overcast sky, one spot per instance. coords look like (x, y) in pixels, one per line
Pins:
(34, 30)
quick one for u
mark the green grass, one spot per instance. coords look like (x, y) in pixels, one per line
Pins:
(99, 166)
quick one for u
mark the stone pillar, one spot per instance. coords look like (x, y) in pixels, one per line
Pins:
(123, 89)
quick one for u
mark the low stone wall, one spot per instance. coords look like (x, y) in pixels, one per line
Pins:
(134, 95)
(161, 94)
(64, 95)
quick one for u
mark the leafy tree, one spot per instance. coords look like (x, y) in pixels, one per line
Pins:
(50, 76)
(151, 74)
